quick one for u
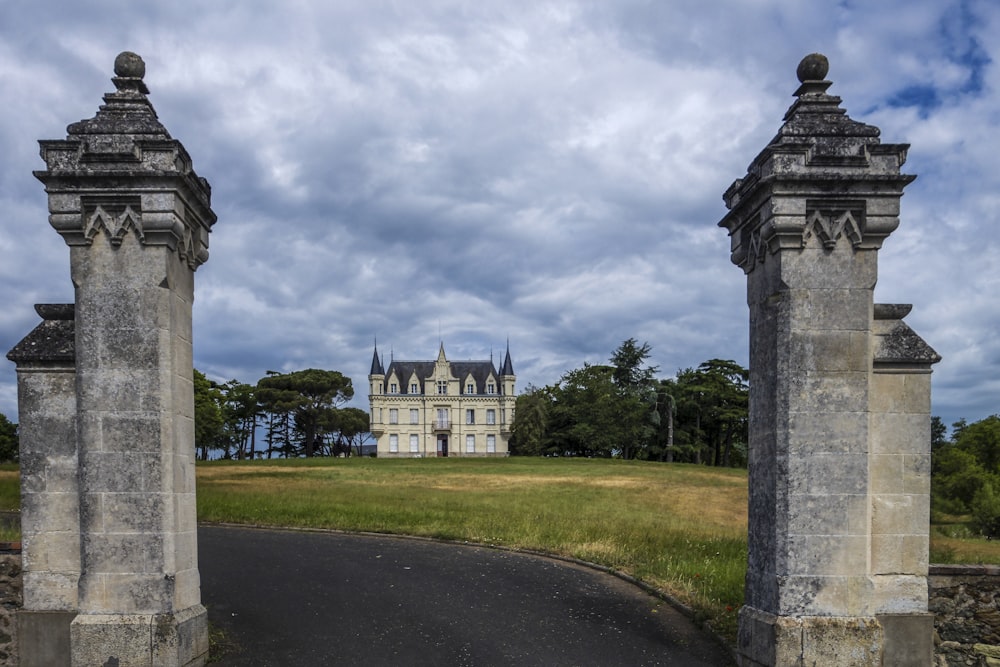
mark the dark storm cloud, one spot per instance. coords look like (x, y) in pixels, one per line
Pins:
(547, 172)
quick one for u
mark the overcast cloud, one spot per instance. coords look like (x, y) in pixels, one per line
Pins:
(545, 172)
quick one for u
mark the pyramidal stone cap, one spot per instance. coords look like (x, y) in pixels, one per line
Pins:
(120, 171)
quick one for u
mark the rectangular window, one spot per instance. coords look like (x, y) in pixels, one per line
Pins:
(414, 416)
(491, 416)
(489, 388)
(470, 389)
(491, 444)
(414, 443)
(442, 418)
(393, 416)
(393, 443)
(442, 388)
(470, 416)
(413, 389)
(470, 444)
(392, 388)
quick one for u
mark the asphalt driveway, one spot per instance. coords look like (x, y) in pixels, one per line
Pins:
(299, 598)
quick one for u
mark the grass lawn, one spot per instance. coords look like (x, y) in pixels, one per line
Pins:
(680, 528)
(954, 541)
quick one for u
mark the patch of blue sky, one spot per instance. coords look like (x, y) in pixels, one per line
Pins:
(960, 49)
(925, 97)
(959, 28)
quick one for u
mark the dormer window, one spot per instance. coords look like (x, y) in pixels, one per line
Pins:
(392, 388)
(413, 388)
(490, 388)
(470, 388)
(442, 388)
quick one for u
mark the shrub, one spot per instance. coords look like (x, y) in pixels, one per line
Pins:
(957, 477)
(986, 511)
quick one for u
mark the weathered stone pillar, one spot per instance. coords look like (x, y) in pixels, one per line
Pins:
(50, 508)
(124, 197)
(832, 487)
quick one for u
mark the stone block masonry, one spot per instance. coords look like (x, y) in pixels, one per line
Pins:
(839, 399)
(106, 397)
(965, 600)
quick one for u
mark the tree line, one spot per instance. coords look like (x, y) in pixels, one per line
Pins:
(9, 447)
(621, 409)
(283, 415)
(965, 472)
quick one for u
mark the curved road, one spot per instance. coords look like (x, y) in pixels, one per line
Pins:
(293, 598)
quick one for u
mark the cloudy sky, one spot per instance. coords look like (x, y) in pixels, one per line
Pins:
(548, 172)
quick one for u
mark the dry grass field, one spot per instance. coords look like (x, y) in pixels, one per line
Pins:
(679, 528)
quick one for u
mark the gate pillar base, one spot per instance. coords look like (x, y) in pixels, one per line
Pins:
(909, 639)
(141, 640)
(43, 637)
(767, 640)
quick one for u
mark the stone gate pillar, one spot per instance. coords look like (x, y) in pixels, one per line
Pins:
(50, 491)
(124, 197)
(839, 399)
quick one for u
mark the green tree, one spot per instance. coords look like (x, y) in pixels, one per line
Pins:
(956, 478)
(680, 393)
(352, 426)
(276, 406)
(209, 432)
(529, 431)
(630, 371)
(623, 410)
(986, 510)
(637, 416)
(715, 397)
(9, 444)
(240, 414)
(962, 470)
(311, 397)
(583, 418)
(982, 439)
(939, 434)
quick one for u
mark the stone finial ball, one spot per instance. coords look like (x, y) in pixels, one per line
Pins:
(813, 68)
(129, 65)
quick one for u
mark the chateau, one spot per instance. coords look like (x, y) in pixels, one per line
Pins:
(441, 408)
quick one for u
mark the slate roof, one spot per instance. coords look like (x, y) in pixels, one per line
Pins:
(479, 370)
(405, 369)
(508, 367)
(376, 364)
